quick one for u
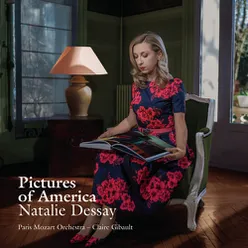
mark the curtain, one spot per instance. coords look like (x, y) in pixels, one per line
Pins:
(3, 68)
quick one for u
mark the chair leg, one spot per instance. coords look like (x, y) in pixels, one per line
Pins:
(201, 204)
(191, 214)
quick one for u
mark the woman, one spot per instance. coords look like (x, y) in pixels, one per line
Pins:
(158, 108)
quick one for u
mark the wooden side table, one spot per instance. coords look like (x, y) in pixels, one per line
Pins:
(66, 157)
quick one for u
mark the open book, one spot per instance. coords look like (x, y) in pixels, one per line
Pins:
(144, 147)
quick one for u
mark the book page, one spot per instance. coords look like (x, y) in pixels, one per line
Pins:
(147, 147)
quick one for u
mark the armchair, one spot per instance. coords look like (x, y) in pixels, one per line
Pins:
(199, 119)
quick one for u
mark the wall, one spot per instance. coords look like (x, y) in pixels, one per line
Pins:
(3, 67)
(103, 35)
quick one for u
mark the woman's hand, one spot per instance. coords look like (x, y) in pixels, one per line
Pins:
(106, 134)
(175, 153)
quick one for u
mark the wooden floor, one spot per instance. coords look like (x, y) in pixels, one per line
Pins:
(223, 222)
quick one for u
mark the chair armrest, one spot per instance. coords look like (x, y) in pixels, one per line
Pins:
(204, 141)
(206, 131)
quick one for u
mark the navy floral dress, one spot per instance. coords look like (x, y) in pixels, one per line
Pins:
(130, 184)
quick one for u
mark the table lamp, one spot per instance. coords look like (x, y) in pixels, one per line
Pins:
(78, 61)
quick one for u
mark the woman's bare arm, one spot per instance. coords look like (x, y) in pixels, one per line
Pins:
(123, 127)
(181, 130)
(181, 138)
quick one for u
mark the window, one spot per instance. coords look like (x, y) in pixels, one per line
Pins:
(240, 81)
(209, 86)
(41, 31)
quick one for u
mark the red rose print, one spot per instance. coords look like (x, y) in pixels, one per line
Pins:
(115, 194)
(134, 90)
(178, 175)
(127, 205)
(99, 201)
(121, 185)
(137, 98)
(160, 186)
(125, 197)
(104, 184)
(110, 199)
(171, 184)
(156, 124)
(112, 190)
(124, 205)
(104, 157)
(137, 161)
(145, 195)
(150, 113)
(112, 158)
(163, 160)
(96, 169)
(104, 197)
(143, 186)
(119, 160)
(177, 81)
(191, 154)
(154, 195)
(175, 176)
(175, 86)
(131, 206)
(184, 162)
(141, 112)
(100, 190)
(157, 92)
(142, 174)
(165, 195)
(172, 137)
(145, 115)
(170, 122)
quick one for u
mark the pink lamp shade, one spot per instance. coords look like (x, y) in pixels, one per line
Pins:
(78, 61)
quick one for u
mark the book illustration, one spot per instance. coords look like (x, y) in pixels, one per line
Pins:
(145, 147)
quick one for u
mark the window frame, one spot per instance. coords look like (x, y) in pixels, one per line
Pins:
(39, 124)
(226, 66)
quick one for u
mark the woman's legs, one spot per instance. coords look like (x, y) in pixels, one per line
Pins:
(90, 221)
(84, 233)
(101, 226)
(104, 228)
(112, 191)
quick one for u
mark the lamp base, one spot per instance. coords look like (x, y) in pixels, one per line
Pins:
(78, 96)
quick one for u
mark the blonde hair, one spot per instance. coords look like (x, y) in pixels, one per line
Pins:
(157, 44)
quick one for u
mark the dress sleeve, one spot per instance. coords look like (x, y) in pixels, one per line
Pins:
(178, 97)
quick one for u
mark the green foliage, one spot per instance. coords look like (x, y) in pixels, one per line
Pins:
(243, 66)
(246, 117)
(241, 33)
(243, 92)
